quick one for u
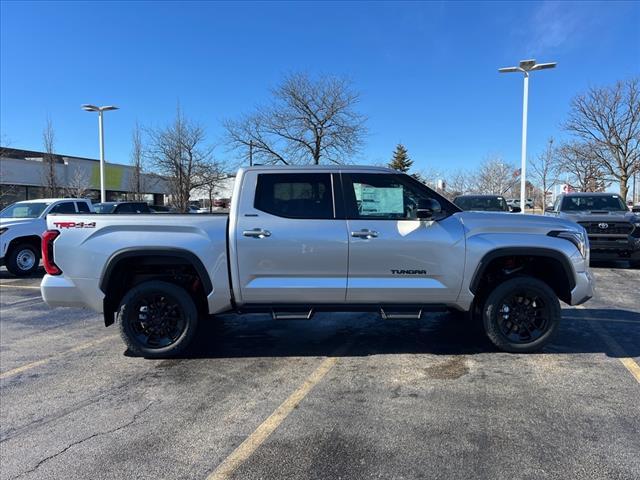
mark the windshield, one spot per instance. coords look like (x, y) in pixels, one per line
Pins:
(492, 204)
(104, 207)
(611, 203)
(23, 210)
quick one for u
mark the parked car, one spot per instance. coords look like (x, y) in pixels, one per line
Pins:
(299, 240)
(22, 225)
(221, 202)
(162, 209)
(122, 207)
(484, 203)
(614, 231)
(515, 202)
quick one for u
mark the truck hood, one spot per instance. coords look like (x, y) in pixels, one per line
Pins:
(12, 222)
(514, 223)
(599, 216)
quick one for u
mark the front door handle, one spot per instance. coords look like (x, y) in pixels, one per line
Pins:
(364, 233)
(257, 233)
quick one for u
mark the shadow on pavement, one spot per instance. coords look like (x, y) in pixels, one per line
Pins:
(232, 336)
(5, 275)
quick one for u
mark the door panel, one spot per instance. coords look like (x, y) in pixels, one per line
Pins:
(290, 260)
(394, 257)
(409, 261)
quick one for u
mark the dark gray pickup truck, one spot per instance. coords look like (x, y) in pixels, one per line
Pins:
(614, 231)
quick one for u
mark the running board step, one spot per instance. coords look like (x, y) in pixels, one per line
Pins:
(291, 315)
(401, 315)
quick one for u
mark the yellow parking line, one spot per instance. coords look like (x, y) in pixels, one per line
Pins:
(629, 363)
(29, 366)
(3, 285)
(260, 434)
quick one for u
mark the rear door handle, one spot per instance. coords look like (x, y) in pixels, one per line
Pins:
(257, 233)
(365, 233)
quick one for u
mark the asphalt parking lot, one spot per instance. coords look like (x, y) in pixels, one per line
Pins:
(340, 396)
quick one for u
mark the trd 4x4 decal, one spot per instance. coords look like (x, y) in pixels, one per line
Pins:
(75, 224)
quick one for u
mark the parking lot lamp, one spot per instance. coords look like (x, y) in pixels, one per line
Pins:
(525, 67)
(100, 110)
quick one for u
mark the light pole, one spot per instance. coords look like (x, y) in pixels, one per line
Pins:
(525, 67)
(100, 110)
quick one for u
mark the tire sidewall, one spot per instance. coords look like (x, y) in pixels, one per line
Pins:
(490, 313)
(12, 260)
(126, 314)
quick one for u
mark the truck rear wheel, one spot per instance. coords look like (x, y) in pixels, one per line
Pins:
(521, 315)
(23, 259)
(157, 319)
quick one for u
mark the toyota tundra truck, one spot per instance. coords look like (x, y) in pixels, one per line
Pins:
(299, 240)
(613, 231)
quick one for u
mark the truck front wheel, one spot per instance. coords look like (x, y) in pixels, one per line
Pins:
(157, 319)
(521, 314)
(23, 259)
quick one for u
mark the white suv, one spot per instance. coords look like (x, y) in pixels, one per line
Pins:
(22, 225)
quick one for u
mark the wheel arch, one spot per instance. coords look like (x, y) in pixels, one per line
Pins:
(35, 240)
(123, 266)
(551, 266)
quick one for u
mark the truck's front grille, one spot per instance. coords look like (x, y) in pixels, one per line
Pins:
(607, 228)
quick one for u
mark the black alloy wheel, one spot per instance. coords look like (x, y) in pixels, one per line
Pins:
(157, 319)
(521, 314)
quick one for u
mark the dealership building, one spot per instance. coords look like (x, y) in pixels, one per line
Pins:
(25, 175)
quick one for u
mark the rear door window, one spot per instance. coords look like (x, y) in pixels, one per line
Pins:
(295, 195)
(64, 207)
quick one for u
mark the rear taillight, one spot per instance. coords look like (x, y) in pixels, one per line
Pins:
(47, 252)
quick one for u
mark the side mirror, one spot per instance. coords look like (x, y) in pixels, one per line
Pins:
(424, 213)
(516, 209)
(427, 209)
(635, 209)
(548, 210)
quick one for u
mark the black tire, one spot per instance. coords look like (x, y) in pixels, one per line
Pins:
(521, 315)
(157, 319)
(23, 260)
(635, 264)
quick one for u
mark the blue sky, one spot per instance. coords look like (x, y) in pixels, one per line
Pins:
(427, 72)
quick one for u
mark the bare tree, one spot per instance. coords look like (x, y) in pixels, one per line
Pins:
(50, 179)
(309, 121)
(496, 177)
(136, 179)
(459, 182)
(583, 166)
(178, 152)
(78, 184)
(210, 177)
(545, 171)
(608, 119)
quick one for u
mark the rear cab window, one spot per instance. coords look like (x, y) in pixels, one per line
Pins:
(295, 195)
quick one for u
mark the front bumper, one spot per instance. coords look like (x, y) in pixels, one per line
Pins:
(584, 289)
(614, 248)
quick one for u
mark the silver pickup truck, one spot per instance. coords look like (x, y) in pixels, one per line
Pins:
(299, 240)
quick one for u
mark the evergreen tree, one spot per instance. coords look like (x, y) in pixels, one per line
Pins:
(401, 161)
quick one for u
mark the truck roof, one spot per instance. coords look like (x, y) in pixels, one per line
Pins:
(589, 194)
(51, 200)
(320, 167)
